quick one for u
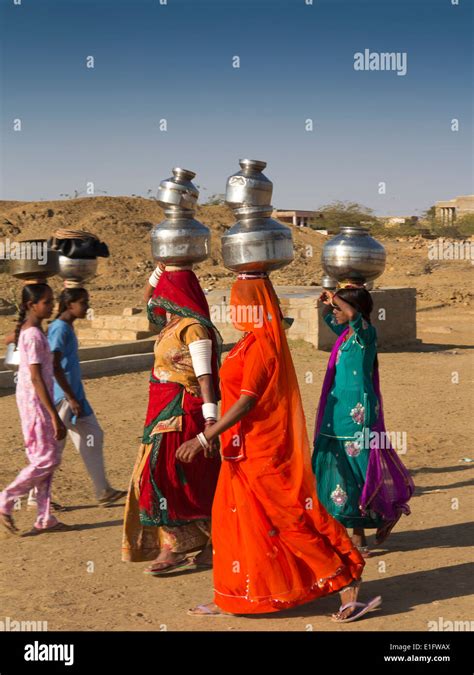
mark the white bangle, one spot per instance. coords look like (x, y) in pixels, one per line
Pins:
(203, 440)
(209, 411)
(155, 277)
(201, 355)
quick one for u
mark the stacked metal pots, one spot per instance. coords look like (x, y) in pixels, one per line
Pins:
(256, 242)
(180, 239)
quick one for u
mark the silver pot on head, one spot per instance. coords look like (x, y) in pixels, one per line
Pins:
(37, 261)
(180, 239)
(78, 270)
(257, 243)
(353, 255)
(249, 186)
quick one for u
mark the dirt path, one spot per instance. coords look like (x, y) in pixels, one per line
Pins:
(75, 580)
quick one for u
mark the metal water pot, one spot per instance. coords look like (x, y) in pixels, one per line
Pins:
(12, 357)
(353, 255)
(257, 242)
(30, 265)
(178, 190)
(249, 186)
(77, 269)
(180, 239)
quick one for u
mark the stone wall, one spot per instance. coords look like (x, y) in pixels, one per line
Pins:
(394, 315)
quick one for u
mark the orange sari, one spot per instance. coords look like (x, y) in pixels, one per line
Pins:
(275, 546)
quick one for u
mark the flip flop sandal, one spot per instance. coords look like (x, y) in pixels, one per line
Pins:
(364, 551)
(364, 609)
(112, 498)
(205, 611)
(58, 527)
(58, 507)
(8, 523)
(171, 567)
(200, 565)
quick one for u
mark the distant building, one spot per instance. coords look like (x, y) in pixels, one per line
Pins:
(452, 209)
(390, 221)
(297, 218)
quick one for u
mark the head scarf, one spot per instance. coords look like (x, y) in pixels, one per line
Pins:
(255, 308)
(179, 292)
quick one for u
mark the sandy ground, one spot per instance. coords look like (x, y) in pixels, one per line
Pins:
(75, 580)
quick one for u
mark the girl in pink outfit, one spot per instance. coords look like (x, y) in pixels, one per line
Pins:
(42, 428)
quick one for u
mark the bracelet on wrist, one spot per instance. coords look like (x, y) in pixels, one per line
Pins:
(203, 441)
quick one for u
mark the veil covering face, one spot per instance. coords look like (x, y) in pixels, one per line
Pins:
(294, 550)
(179, 292)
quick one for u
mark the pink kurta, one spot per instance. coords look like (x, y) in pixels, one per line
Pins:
(37, 427)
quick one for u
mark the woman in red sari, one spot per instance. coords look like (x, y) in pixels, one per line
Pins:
(275, 546)
(169, 504)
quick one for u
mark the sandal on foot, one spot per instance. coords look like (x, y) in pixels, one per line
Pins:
(8, 523)
(205, 610)
(112, 497)
(364, 551)
(57, 527)
(364, 609)
(55, 506)
(200, 565)
(170, 567)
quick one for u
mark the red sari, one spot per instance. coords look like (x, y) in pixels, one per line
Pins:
(169, 503)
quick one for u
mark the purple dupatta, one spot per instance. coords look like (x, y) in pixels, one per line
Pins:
(388, 485)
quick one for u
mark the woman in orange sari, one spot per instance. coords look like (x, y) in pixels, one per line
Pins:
(275, 546)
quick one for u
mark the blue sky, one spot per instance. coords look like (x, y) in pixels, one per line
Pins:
(174, 61)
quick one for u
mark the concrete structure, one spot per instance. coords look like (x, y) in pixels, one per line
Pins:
(297, 218)
(390, 221)
(449, 211)
(128, 357)
(132, 324)
(394, 315)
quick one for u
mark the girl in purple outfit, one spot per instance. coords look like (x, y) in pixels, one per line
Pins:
(42, 428)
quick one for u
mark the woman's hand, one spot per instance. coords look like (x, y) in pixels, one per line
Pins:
(75, 406)
(214, 448)
(60, 430)
(326, 297)
(10, 338)
(188, 450)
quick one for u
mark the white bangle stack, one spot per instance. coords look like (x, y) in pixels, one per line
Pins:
(203, 441)
(155, 277)
(209, 411)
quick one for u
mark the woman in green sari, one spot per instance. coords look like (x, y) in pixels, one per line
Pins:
(350, 409)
